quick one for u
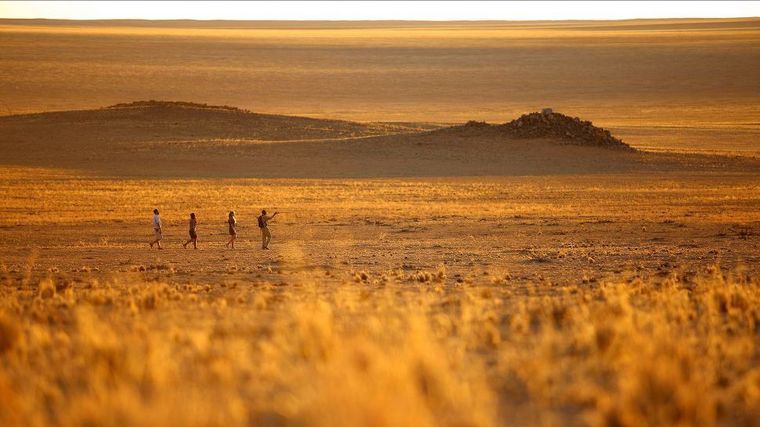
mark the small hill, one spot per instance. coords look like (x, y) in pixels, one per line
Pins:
(158, 121)
(190, 120)
(546, 125)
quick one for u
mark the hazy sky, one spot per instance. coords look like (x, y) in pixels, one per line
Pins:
(332, 10)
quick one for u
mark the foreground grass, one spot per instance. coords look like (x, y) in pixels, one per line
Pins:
(393, 349)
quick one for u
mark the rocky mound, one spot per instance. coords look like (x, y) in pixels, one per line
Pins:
(548, 124)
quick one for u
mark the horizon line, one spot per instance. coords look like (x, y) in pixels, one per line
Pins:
(436, 11)
(681, 18)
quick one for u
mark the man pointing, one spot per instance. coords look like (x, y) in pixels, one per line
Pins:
(266, 236)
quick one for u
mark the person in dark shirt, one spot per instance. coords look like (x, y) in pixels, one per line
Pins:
(193, 233)
(266, 236)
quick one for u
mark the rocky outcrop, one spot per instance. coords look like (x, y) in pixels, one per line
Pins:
(548, 124)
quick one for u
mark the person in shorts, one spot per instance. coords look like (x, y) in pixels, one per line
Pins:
(232, 222)
(193, 234)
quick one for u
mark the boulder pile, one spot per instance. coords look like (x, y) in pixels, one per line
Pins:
(548, 124)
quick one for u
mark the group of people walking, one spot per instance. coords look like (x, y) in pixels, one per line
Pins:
(263, 220)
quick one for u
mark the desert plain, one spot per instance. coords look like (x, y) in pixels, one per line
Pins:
(427, 268)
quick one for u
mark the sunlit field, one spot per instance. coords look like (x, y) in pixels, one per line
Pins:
(556, 225)
(578, 300)
(478, 223)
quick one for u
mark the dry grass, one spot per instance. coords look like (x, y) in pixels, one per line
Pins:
(528, 301)
(390, 350)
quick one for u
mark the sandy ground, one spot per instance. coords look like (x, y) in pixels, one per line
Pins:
(560, 229)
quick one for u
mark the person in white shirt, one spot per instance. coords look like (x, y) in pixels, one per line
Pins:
(156, 230)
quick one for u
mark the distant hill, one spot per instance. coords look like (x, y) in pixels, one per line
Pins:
(163, 120)
(182, 139)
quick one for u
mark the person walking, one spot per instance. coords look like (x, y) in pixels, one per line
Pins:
(157, 234)
(266, 236)
(193, 234)
(232, 222)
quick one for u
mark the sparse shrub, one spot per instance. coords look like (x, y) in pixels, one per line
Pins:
(46, 289)
(421, 276)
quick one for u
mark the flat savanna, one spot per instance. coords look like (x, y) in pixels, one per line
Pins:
(422, 272)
